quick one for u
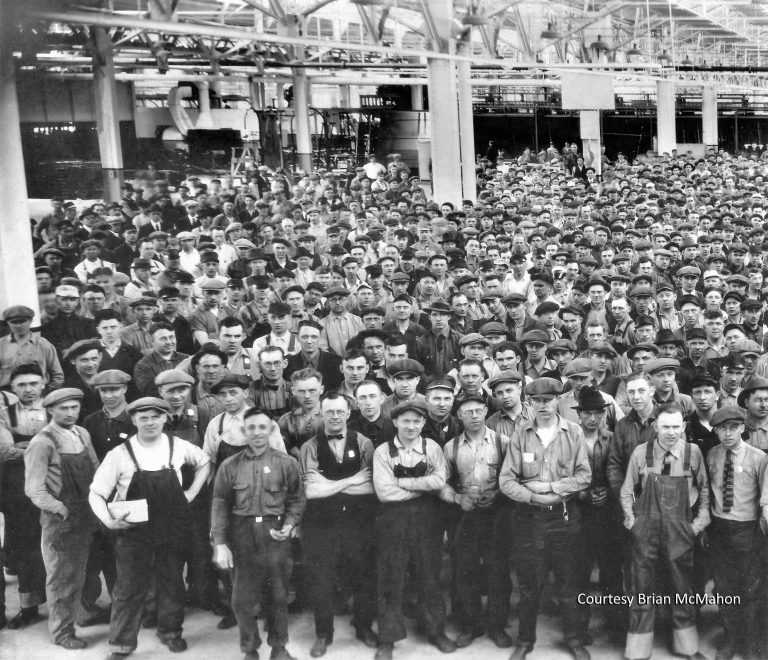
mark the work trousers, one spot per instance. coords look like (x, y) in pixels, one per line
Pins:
(259, 561)
(481, 549)
(65, 545)
(141, 563)
(336, 551)
(545, 541)
(409, 533)
(735, 548)
(201, 574)
(101, 559)
(23, 551)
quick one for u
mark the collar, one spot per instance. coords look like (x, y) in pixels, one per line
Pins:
(417, 447)
(562, 424)
(31, 339)
(488, 437)
(676, 450)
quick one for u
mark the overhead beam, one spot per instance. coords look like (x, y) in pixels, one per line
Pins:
(609, 9)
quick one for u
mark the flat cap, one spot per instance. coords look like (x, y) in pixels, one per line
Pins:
(414, 405)
(18, 312)
(514, 299)
(232, 380)
(547, 307)
(67, 291)
(751, 385)
(641, 347)
(603, 347)
(473, 338)
(82, 346)
(405, 366)
(748, 347)
(561, 345)
(729, 414)
(148, 403)
(338, 291)
(110, 378)
(493, 328)
(445, 383)
(505, 376)
(689, 271)
(212, 284)
(660, 364)
(61, 395)
(173, 377)
(751, 303)
(578, 367)
(535, 337)
(144, 300)
(544, 387)
(142, 263)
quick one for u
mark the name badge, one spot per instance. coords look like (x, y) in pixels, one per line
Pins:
(739, 469)
(266, 469)
(351, 453)
(528, 457)
(190, 412)
(123, 435)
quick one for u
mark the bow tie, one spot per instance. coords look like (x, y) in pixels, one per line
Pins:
(335, 437)
(273, 388)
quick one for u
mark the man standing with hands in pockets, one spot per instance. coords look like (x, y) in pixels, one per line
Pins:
(258, 499)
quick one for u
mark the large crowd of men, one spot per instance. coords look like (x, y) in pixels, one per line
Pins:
(316, 391)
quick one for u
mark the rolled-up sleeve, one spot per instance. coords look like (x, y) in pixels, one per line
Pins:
(582, 472)
(37, 459)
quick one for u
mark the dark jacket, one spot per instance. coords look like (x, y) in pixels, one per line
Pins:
(328, 365)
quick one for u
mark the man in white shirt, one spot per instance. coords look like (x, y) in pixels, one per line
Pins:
(279, 319)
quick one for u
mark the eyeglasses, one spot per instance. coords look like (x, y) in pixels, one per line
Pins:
(330, 414)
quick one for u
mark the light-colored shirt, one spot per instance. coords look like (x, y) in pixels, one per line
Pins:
(337, 330)
(233, 434)
(34, 349)
(758, 434)
(749, 466)
(117, 470)
(477, 464)
(531, 456)
(391, 489)
(698, 482)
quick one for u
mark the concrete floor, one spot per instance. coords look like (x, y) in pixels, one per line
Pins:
(206, 642)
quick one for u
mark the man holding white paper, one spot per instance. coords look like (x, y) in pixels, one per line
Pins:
(146, 469)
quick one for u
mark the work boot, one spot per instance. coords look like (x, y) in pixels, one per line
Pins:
(229, 621)
(175, 644)
(319, 647)
(72, 643)
(367, 637)
(26, 617)
(579, 652)
(384, 652)
(442, 643)
(520, 652)
(467, 637)
(500, 638)
(280, 653)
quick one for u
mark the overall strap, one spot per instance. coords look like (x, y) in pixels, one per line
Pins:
(687, 457)
(649, 454)
(221, 424)
(11, 408)
(170, 453)
(392, 448)
(499, 455)
(128, 447)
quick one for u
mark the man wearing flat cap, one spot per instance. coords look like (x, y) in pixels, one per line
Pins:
(68, 326)
(205, 319)
(754, 399)
(506, 387)
(85, 358)
(405, 375)
(340, 325)
(59, 466)
(409, 472)
(737, 479)
(22, 346)
(146, 468)
(481, 532)
(109, 427)
(545, 468)
(438, 350)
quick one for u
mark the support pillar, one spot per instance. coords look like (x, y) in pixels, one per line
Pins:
(345, 94)
(709, 134)
(444, 124)
(417, 98)
(666, 133)
(18, 283)
(466, 131)
(301, 123)
(591, 141)
(106, 107)
(204, 119)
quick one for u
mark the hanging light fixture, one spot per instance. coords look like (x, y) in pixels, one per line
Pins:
(634, 51)
(687, 62)
(551, 33)
(664, 59)
(600, 45)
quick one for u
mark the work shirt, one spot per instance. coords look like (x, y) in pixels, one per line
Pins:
(205, 320)
(287, 342)
(473, 466)
(628, 434)
(391, 489)
(250, 485)
(108, 432)
(698, 482)
(505, 424)
(42, 464)
(308, 461)
(232, 433)
(563, 462)
(29, 420)
(756, 434)
(379, 430)
(137, 337)
(298, 426)
(116, 471)
(749, 466)
(34, 349)
(337, 330)
(150, 366)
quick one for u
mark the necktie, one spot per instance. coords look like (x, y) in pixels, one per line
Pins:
(272, 388)
(440, 342)
(175, 420)
(335, 437)
(728, 482)
(667, 463)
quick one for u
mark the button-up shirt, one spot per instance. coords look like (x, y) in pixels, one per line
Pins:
(505, 424)
(379, 430)
(150, 366)
(298, 426)
(287, 342)
(42, 464)
(756, 434)
(137, 336)
(391, 489)
(749, 466)
(698, 482)
(250, 485)
(563, 463)
(338, 329)
(29, 421)
(628, 434)
(232, 434)
(33, 349)
(108, 432)
(728, 399)
(477, 464)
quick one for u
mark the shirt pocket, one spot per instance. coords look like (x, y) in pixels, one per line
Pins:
(530, 469)
(273, 493)
(242, 495)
